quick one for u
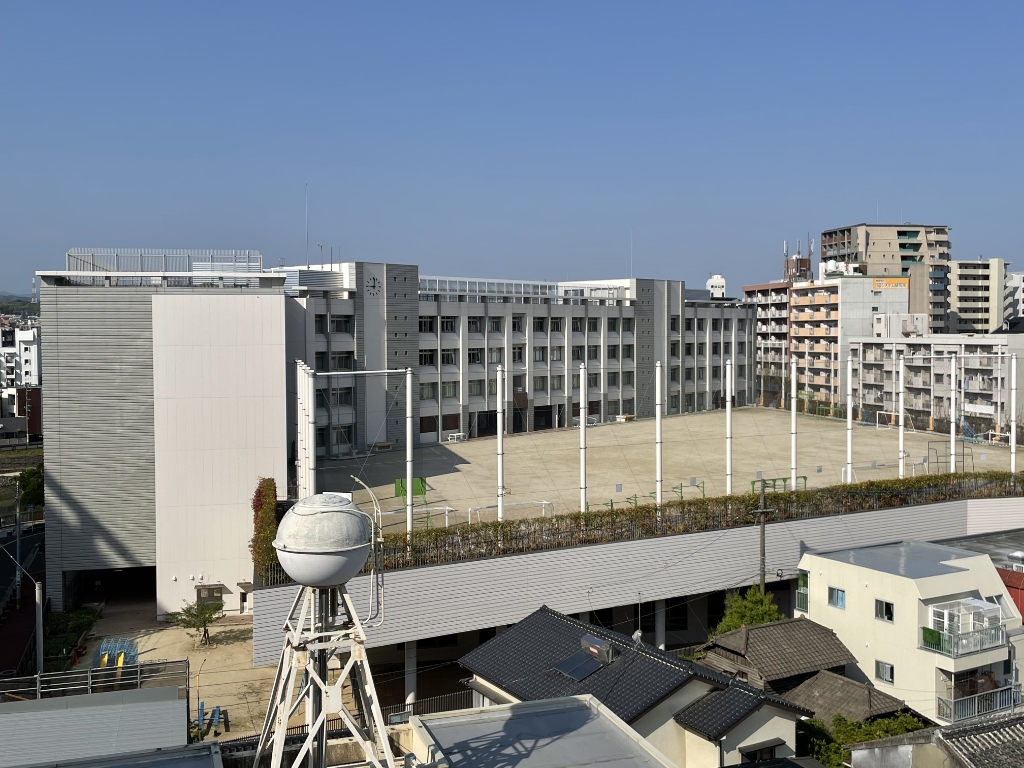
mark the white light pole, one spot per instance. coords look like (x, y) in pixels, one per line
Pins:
(728, 427)
(903, 456)
(792, 424)
(658, 409)
(952, 413)
(583, 437)
(501, 443)
(1013, 412)
(408, 451)
(849, 418)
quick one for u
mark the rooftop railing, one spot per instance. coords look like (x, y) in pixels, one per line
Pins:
(476, 541)
(74, 682)
(955, 710)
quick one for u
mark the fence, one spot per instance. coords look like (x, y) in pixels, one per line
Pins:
(156, 674)
(980, 704)
(475, 541)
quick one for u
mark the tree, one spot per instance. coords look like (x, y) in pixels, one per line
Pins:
(825, 744)
(197, 618)
(30, 481)
(747, 610)
(264, 525)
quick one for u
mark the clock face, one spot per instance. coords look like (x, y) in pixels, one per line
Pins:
(373, 286)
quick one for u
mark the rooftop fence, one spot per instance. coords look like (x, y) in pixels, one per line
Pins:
(475, 541)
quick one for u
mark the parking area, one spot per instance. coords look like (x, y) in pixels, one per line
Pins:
(544, 466)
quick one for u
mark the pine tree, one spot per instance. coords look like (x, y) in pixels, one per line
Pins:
(748, 610)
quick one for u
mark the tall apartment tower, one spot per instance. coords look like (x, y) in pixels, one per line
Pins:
(981, 296)
(918, 251)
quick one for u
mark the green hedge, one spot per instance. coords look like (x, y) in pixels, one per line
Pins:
(264, 525)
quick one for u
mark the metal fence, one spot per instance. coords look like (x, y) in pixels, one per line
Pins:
(154, 674)
(980, 704)
(475, 541)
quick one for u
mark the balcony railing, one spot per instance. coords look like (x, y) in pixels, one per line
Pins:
(955, 645)
(801, 600)
(955, 710)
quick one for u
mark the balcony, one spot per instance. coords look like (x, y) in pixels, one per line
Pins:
(962, 627)
(801, 599)
(955, 710)
(956, 644)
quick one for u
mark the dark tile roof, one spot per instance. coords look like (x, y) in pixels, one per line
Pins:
(714, 714)
(521, 661)
(786, 648)
(787, 762)
(827, 694)
(991, 743)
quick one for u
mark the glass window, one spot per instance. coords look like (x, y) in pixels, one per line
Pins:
(494, 325)
(449, 324)
(837, 597)
(475, 325)
(673, 349)
(450, 422)
(593, 325)
(428, 391)
(556, 354)
(673, 323)
(492, 386)
(342, 323)
(575, 381)
(577, 325)
(701, 348)
(540, 324)
(627, 379)
(594, 380)
(700, 323)
(557, 383)
(689, 323)
(341, 396)
(475, 356)
(613, 325)
(449, 389)
(627, 325)
(689, 374)
(715, 348)
(494, 355)
(727, 324)
(343, 361)
(613, 351)
(476, 387)
(716, 372)
(885, 672)
(540, 354)
(428, 424)
(715, 324)
(426, 324)
(540, 383)
(741, 325)
(627, 351)
(517, 324)
(320, 361)
(320, 323)
(884, 610)
(517, 354)
(673, 373)
(613, 379)
(449, 357)
(593, 352)
(577, 354)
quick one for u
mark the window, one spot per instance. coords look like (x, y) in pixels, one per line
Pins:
(450, 422)
(577, 354)
(343, 436)
(627, 325)
(689, 350)
(727, 324)
(700, 323)
(673, 349)
(540, 383)
(627, 378)
(475, 356)
(613, 408)
(593, 352)
(629, 407)
(701, 348)
(577, 325)
(557, 383)
(517, 354)
(673, 323)
(884, 610)
(613, 379)
(689, 374)
(741, 347)
(475, 325)
(715, 324)
(321, 399)
(741, 371)
(449, 357)
(343, 361)
(837, 597)
(494, 325)
(594, 380)
(627, 351)
(757, 755)
(689, 324)
(613, 325)
(342, 323)
(320, 323)
(701, 373)
(716, 348)
(492, 386)
(320, 361)
(613, 351)
(575, 381)
(540, 354)
(557, 324)
(673, 373)
(540, 324)
(716, 372)
(449, 324)
(494, 355)
(517, 323)
(556, 354)
(476, 387)
(426, 324)
(341, 396)
(884, 671)
(321, 437)
(428, 391)
(428, 424)
(741, 325)
(727, 347)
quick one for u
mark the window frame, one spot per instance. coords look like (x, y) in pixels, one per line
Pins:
(880, 611)
(839, 596)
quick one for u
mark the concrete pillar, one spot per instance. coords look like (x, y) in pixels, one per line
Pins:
(659, 624)
(410, 673)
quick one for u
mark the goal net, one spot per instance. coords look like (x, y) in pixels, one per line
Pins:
(891, 420)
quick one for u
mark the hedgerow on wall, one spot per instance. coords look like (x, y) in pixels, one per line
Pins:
(264, 525)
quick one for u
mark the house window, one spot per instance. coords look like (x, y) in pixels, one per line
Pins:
(320, 323)
(449, 357)
(540, 324)
(727, 347)
(837, 597)
(517, 323)
(428, 424)
(627, 378)
(594, 325)
(476, 356)
(613, 379)
(475, 325)
(884, 671)
(426, 324)
(673, 323)
(540, 354)
(449, 422)
(494, 354)
(594, 380)
(476, 387)
(448, 324)
(494, 325)
(341, 323)
(517, 354)
(428, 391)
(577, 325)
(716, 372)
(701, 373)
(449, 389)
(884, 610)
(556, 354)
(557, 383)
(627, 325)
(757, 755)
(689, 350)
(343, 436)
(613, 351)
(556, 324)
(577, 354)
(613, 325)
(540, 383)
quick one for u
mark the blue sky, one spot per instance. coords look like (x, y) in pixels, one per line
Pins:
(520, 140)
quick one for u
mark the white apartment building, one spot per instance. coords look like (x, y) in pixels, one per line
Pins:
(983, 363)
(981, 296)
(930, 624)
(455, 332)
(19, 364)
(825, 315)
(771, 301)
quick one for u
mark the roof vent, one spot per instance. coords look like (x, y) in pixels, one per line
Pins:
(602, 650)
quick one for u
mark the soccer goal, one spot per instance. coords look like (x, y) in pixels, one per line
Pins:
(891, 420)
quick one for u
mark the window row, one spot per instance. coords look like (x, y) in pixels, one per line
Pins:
(518, 324)
(475, 387)
(338, 396)
(495, 355)
(339, 323)
(339, 361)
(701, 373)
(717, 324)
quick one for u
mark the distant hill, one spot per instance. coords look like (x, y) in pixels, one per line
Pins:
(17, 305)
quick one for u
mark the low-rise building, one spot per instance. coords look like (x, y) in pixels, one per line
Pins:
(929, 624)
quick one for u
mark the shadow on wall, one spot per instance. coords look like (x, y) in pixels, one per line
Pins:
(383, 469)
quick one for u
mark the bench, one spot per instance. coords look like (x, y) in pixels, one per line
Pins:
(383, 446)
(455, 437)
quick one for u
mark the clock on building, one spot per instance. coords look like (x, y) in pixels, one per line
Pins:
(373, 286)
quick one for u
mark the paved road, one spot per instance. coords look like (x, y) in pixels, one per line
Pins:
(28, 543)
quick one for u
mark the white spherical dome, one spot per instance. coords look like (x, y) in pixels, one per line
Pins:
(323, 540)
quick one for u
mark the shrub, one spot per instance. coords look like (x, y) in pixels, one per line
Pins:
(264, 525)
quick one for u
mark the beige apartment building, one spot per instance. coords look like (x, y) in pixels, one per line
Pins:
(981, 296)
(771, 339)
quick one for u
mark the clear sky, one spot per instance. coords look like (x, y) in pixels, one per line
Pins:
(518, 139)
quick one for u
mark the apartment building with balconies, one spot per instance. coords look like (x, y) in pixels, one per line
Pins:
(771, 305)
(19, 364)
(930, 624)
(981, 296)
(824, 316)
(921, 252)
(455, 332)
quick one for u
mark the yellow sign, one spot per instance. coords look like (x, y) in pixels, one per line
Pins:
(887, 283)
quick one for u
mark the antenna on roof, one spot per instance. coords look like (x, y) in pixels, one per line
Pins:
(307, 225)
(798, 247)
(810, 246)
(630, 253)
(785, 249)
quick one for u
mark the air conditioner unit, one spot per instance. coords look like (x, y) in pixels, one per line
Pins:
(1019, 567)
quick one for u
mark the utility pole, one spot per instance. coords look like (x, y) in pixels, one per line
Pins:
(762, 510)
